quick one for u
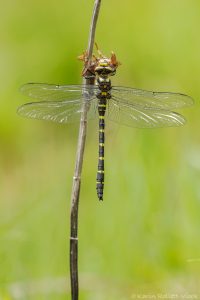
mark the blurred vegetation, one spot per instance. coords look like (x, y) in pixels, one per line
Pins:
(144, 237)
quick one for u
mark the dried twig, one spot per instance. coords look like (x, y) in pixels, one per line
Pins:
(78, 168)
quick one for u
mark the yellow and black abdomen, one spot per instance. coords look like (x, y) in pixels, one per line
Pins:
(100, 171)
(104, 85)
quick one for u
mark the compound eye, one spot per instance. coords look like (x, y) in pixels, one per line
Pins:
(105, 71)
(98, 71)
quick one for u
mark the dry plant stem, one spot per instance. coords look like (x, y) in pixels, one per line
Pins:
(78, 168)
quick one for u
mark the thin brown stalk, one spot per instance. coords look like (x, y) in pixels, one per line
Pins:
(78, 168)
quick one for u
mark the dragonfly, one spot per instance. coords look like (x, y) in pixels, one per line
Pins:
(124, 105)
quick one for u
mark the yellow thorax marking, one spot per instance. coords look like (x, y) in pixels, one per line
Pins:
(100, 171)
(103, 93)
(102, 105)
(101, 117)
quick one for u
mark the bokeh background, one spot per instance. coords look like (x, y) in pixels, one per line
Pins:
(143, 240)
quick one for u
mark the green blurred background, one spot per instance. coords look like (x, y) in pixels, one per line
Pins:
(144, 238)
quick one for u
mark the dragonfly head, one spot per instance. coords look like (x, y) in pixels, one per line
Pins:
(106, 67)
(101, 65)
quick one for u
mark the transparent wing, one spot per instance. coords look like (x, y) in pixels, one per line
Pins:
(64, 105)
(147, 99)
(136, 116)
(60, 112)
(53, 92)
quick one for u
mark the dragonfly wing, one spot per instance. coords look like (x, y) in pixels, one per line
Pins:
(136, 116)
(59, 103)
(57, 111)
(53, 92)
(148, 99)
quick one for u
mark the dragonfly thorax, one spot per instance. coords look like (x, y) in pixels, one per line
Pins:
(104, 84)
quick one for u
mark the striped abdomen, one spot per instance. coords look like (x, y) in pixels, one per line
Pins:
(100, 171)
